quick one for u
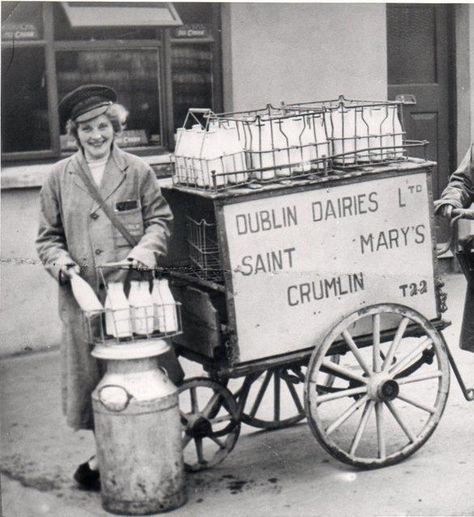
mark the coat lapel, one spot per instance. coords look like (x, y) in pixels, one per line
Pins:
(76, 164)
(114, 173)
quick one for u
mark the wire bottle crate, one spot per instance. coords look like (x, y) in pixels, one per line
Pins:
(363, 132)
(133, 324)
(203, 249)
(273, 145)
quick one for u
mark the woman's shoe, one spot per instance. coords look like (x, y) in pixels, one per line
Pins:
(87, 478)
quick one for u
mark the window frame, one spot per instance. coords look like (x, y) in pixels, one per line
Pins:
(162, 45)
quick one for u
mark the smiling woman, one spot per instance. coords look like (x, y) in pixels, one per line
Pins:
(76, 237)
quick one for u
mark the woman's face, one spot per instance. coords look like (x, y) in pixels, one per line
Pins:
(96, 136)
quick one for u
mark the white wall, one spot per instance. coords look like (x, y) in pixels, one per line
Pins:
(28, 296)
(302, 52)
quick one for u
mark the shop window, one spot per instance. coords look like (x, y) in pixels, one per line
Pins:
(134, 74)
(192, 79)
(25, 122)
(46, 53)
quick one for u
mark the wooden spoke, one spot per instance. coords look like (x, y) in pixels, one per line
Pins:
(346, 414)
(380, 433)
(419, 378)
(350, 342)
(276, 395)
(376, 359)
(217, 441)
(186, 440)
(321, 399)
(222, 418)
(362, 425)
(405, 361)
(336, 368)
(420, 405)
(260, 393)
(395, 343)
(211, 405)
(199, 452)
(398, 418)
(294, 396)
(194, 402)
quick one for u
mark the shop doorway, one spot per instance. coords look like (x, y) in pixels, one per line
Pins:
(420, 64)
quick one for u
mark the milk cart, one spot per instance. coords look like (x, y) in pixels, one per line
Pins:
(317, 296)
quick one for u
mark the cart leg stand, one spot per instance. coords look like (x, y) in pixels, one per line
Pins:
(138, 431)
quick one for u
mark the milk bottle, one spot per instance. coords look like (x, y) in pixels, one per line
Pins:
(179, 155)
(165, 314)
(376, 117)
(392, 134)
(117, 312)
(141, 305)
(234, 157)
(194, 162)
(284, 137)
(315, 138)
(262, 150)
(363, 124)
(211, 159)
(344, 131)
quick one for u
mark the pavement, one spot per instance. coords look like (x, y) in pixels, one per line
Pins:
(280, 474)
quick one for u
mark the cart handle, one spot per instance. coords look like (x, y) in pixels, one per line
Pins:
(121, 264)
(456, 215)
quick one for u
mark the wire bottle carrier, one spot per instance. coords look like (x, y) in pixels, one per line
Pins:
(203, 249)
(310, 139)
(224, 150)
(131, 322)
(362, 132)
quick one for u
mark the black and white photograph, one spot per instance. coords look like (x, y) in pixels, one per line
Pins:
(237, 259)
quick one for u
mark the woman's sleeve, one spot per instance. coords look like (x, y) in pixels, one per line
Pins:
(157, 220)
(51, 243)
(460, 190)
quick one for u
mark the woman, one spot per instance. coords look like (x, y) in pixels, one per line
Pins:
(76, 236)
(460, 194)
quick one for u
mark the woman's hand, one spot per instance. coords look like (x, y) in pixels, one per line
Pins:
(66, 271)
(443, 208)
(446, 211)
(136, 264)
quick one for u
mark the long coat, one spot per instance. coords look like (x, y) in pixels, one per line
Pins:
(73, 229)
(460, 194)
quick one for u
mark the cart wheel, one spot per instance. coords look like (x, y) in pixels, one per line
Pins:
(209, 419)
(273, 399)
(401, 376)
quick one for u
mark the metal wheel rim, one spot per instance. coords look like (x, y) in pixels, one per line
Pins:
(313, 401)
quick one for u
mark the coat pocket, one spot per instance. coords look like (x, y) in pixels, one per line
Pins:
(133, 222)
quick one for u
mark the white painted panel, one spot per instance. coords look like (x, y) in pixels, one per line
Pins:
(303, 260)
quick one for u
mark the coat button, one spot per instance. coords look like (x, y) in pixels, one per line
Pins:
(98, 251)
(94, 215)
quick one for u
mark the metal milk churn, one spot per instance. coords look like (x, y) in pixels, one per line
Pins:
(138, 431)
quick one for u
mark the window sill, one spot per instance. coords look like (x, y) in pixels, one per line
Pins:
(32, 175)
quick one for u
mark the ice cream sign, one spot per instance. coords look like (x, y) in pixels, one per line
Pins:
(302, 260)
